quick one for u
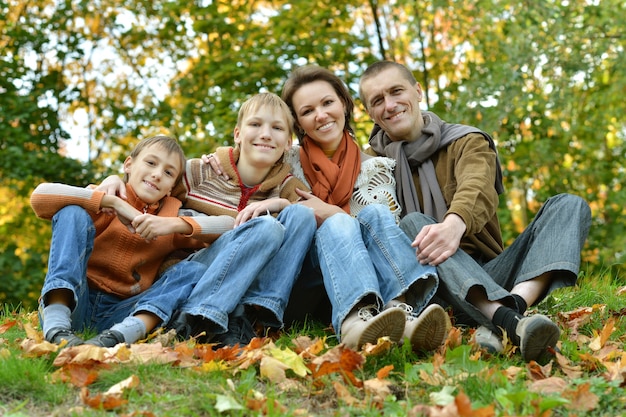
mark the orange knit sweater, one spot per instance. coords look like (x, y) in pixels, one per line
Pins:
(122, 263)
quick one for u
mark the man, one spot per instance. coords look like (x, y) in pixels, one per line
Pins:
(448, 178)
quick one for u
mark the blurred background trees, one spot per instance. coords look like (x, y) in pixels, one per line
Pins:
(81, 81)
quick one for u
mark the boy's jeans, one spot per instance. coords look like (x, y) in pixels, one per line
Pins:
(253, 264)
(73, 235)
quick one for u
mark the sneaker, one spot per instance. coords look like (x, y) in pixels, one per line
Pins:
(536, 334)
(368, 324)
(58, 335)
(240, 330)
(487, 339)
(427, 331)
(108, 338)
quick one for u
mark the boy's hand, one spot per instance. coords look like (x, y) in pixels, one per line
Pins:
(149, 226)
(261, 208)
(215, 165)
(125, 212)
(322, 209)
(114, 186)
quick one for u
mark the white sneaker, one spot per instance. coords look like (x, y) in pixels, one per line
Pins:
(485, 338)
(368, 324)
(427, 331)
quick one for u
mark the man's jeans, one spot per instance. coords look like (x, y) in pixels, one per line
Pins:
(552, 242)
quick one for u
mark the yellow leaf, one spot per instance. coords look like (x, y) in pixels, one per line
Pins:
(119, 388)
(290, 359)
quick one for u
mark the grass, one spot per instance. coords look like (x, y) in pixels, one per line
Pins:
(461, 380)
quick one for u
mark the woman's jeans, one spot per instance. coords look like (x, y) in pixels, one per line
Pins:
(254, 264)
(552, 242)
(73, 234)
(369, 256)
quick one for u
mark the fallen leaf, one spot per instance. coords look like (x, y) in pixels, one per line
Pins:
(7, 325)
(122, 386)
(226, 403)
(581, 399)
(550, 385)
(344, 394)
(598, 342)
(384, 371)
(273, 369)
(100, 401)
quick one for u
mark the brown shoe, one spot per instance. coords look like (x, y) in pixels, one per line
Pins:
(427, 331)
(368, 324)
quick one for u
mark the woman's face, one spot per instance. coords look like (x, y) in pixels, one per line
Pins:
(320, 113)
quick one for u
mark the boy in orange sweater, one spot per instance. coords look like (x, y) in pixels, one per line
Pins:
(102, 268)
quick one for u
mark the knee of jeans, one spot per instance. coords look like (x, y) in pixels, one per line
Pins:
(73, 212)
(342, 220)
(374, 211)
(270, 227)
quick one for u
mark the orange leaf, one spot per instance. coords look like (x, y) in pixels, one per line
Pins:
(7, 325)
(344, 394)
(464, 407)
(100, 401)
(384, 372)
(581, 399)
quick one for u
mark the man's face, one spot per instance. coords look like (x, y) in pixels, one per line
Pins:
(393, 103)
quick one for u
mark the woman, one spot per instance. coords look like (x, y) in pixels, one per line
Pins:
(374, 282)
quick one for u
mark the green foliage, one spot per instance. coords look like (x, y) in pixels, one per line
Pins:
(547, 82)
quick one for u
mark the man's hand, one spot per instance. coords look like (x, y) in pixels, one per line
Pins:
(322, 209)
(215, 165)
(437, 242)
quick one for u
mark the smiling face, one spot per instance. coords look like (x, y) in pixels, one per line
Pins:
(263, 135)
(393, 103)
(320, 113)
(153, 172)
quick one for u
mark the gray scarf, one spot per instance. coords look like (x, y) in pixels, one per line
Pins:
(436, 135)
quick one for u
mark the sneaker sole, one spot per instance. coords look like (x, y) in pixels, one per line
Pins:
(537, 335)
(389, 323)
(429, 330)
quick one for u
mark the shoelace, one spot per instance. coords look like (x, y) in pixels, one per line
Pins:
(407, 309)
(368, 312)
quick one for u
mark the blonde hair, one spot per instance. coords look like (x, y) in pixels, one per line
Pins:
(168, 143)
(270, 100)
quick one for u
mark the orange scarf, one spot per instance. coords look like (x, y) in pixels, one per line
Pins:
(332, 180)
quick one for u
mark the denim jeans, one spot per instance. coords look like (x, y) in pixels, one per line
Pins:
(254, 264)
(552, 242)
(369, 256)
(73, 234)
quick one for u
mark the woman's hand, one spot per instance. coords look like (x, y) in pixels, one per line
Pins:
(113, 186)
(215, 165)
(322, 209)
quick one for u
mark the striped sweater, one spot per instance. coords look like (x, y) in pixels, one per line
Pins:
(205, 192)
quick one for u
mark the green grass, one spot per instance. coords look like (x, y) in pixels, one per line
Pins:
(416, 383)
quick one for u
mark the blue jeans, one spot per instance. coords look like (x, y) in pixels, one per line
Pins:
(369, 256)
(254, 264)
(552, 242)
(73, 234)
